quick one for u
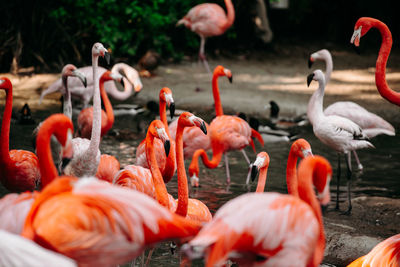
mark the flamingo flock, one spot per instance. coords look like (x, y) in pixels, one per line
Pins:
(71, 205)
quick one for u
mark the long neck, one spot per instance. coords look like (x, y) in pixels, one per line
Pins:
(161, 190)
(329, 67)
(315, 105)
(183, 194)
(380, 73)
(169, 169)
(213, 163)
(108, 107)
(67, 106)
(120, 95)
(217, 99)
(291, 177)
(307, 194)
(163, 114)
(230, 14)
(96, 128)
(48, 170)
(5, 128)
(262, 177)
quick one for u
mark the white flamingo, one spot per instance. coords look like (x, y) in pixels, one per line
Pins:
(371, 123)
(131, 81)
(86, 152)
(339, 133)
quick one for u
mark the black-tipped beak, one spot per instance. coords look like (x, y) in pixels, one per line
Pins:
(167, 146)
(357, 49)
(172, 110)
(324, 208)
(230, 79)
(309, 79)
(84, 81)
(254, 172)
(203, 127)
(310, 62)
(65, 162)
(107, 57)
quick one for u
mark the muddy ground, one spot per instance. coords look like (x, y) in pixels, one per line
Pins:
(278, 75)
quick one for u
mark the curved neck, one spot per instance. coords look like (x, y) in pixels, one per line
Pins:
(380, 73)
(329, 67)
(107, 106)
(67, 106)
(230, 14)
(120, 95)
(217, 99)
(315, 105)
(262, 178)
(96, 128)
(161, 190)
(213, 163)
(163, 114)
(48, 171)
(307, 194)
(291, 177)
(5, 128)
(183, 194)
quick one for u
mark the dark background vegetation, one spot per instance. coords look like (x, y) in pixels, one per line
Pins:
(48, 34)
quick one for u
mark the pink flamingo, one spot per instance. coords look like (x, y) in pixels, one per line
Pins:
(269, 229)
(85, 118)
(339, 133)
(363, 25)
(131, 82)
(386, 253)
(19, 169)
(86, 152)
(226, 133)
(371, 123)
(208, 20)
(167, 164)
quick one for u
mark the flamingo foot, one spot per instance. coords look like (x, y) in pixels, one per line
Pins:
(194, 180)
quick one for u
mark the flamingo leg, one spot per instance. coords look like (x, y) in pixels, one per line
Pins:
(338, 183)
(228, 176)
(349, 172)
(359, 165)
(149, 257)
(245, 156)
(202, 55)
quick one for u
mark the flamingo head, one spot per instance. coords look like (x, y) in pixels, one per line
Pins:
(319, 55)
(187, 119)
(5, 83)
(363, 25)
(301, 148)
(99, 50)
(166, 96)
(71, 70)
(317, 75)
(221, 71)
(262, 161)
(321, 178)
(156, 129)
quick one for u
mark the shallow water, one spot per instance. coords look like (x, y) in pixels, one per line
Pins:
(379, 177)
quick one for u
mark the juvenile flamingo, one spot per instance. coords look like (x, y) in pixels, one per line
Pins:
(85, 118)
(19, 169)
(386, 253)
(363, 25)
(226, 133)
(371, 123)
(269, 229)
(131, 79)
(339, 133)
(208, 20)
(166, 164)
(86, 152)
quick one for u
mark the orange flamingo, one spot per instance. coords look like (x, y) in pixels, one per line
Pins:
(208, 20)
(85, 118)
(363, 25)
(19, 169)
(91, 221)
(167, 164)
(269, 228)
(386, 253)
(108, 168)
(226, 133)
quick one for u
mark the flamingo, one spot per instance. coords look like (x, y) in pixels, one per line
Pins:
(339, 133)
(208, 20)
(226, 133)
(108, 168)
(363, 25)
(167, 164)
(19, 169)
(269, 229)
(371, 123)
(86, 152)
(85, 118)
(18, 251)
(131, 81)
(386, 253)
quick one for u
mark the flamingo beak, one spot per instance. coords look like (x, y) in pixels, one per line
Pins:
(203, 127)
(81, 77)
(172, 110)
(310, 62)
(230, 79)
(199, 123)
(355, 39)
(107, 57)
(309, 79)
(307, 153)
(254, 172)
(138, 87)
(167, 146)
